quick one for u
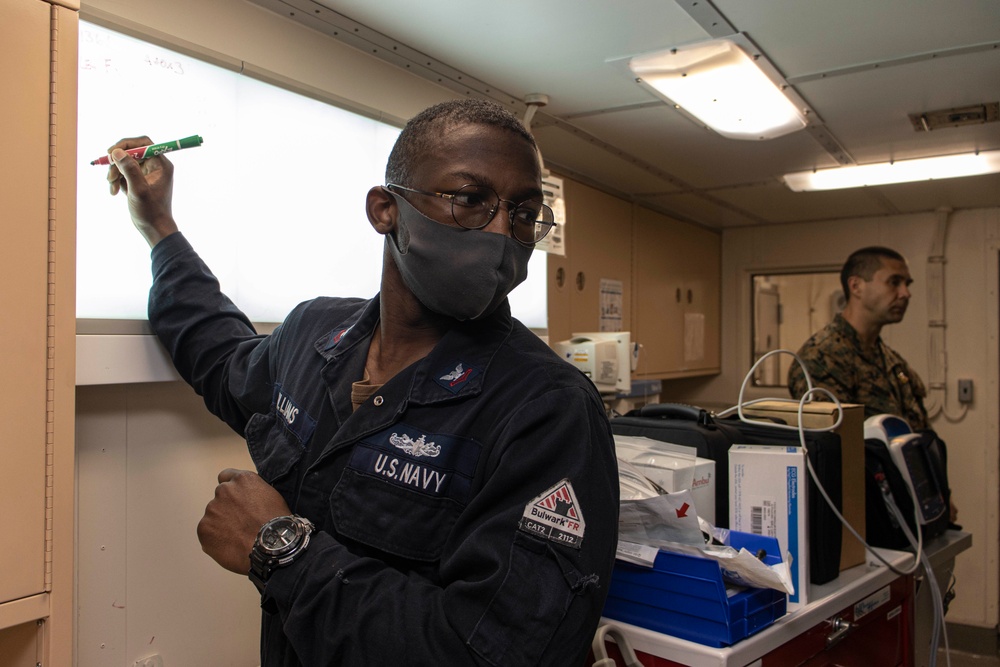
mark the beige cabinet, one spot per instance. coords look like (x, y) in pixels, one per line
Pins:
(37, 193)
(676, 297)
(23, 273)
(598, 247)
(670, 276)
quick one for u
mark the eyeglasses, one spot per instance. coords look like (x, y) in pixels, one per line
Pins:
(474, 206)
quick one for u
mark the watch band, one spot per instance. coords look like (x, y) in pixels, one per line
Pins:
(259, 572)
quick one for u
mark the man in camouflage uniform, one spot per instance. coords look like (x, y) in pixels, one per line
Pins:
(848, 356)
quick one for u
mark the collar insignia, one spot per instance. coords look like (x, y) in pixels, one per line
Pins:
(454, 379)
(336, 338)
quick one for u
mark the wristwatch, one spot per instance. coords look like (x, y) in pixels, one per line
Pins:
(279, 542)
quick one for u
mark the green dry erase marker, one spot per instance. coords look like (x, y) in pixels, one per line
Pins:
(144, 152)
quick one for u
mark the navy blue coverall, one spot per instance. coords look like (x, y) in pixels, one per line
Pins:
(466, 514)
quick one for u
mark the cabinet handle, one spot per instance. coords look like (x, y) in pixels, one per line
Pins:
(690, 296)
(678, 295)
(839, 628)
(580, 280)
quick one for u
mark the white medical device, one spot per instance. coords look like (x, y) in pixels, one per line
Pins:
(606, 357)
(911, 456)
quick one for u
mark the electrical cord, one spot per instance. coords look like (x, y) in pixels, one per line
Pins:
(937, 628)
(920, 558)
(600, 649)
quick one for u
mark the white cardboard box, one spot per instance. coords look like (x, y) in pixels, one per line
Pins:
(673, 467)
(767, 496)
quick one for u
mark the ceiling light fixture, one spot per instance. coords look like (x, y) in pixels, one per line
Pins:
(718, 83)
(898, 171)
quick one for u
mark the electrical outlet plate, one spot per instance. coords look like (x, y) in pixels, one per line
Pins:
(965, 391)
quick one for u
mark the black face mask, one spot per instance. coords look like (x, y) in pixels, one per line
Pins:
(461, 273)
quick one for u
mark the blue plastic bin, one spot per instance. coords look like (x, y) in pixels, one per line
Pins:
(685, 596)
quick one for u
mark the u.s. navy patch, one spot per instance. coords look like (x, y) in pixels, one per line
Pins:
(555, 515)
(432, 464)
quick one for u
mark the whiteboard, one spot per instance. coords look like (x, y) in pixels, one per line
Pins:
(274, 201)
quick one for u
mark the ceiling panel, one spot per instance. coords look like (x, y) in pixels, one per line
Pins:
(710, 213)
(809, 36)
(869, 111)
(524, 46)
(579, 156)
(862, 66)
(699, 156)
(971, 192)
(777, 204)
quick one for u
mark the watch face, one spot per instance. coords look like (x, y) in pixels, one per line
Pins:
(281, 535)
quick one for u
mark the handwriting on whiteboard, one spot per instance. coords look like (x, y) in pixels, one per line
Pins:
(108, 63)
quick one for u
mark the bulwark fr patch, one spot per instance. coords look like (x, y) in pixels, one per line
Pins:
(555, 515)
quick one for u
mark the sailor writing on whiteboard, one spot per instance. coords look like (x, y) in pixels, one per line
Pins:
(433, 485)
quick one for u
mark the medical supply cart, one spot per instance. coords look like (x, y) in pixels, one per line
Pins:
(864, 617)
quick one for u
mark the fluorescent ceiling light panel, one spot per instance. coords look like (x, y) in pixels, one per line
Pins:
(720, 85)
(899, 171)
